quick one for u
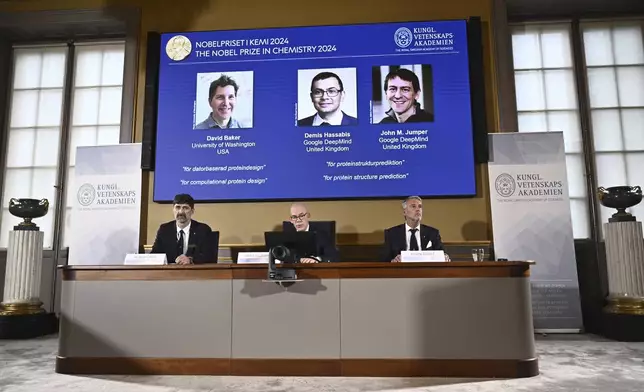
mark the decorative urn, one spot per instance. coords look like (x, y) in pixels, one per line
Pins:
(28, 209)
(620, 198)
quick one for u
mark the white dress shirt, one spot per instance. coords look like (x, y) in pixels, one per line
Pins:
(186, 236)
(417, 234)
(334, 119)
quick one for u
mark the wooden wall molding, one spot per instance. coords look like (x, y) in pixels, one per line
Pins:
(342, 270)
(466, 368)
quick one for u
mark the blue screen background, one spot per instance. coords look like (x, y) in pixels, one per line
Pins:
(445, 168)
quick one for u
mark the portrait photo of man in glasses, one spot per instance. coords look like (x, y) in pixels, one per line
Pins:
(328, 96)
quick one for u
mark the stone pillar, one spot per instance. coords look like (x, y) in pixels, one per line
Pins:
(23, 273)
(625, 265)
(21, 312)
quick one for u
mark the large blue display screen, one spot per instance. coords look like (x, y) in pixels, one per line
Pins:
(373, 110)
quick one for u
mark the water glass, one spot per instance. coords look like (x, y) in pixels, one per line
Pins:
(481, 254)
(475, 254)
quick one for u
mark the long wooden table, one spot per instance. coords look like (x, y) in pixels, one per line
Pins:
(456, 319)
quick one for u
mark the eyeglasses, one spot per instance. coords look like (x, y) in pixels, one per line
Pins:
(332, 92)
(299, 217)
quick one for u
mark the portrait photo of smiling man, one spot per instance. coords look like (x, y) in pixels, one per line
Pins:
(224, 100)
(405, 94)
(327, 97)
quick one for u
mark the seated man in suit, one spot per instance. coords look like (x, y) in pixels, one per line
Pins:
(300, 221)
(184, 240)
(411, 235)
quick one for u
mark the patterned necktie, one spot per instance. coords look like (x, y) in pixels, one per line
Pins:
(180, 243)
(413, 242)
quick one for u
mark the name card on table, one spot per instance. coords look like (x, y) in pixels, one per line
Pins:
(146, 259)
(422, 256)
(253, 258)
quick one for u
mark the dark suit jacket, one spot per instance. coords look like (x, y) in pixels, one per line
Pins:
(396, 240)
(346, 120)
(200, 247)
(325, 244)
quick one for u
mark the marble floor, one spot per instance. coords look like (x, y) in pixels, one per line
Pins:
(567, 362)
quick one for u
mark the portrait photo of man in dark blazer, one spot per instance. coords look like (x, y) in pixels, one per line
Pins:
(184, 240)
(327, 96)
(411, 235)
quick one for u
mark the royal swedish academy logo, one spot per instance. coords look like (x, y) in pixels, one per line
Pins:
(505, 185)
(86, 195)
(403, 37)
(178, 47)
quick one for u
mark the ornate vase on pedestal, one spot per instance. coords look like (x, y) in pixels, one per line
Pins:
(624, 313)
(21, 312)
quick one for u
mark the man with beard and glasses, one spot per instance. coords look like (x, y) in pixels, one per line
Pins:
(403, 90)
(222, 98)
(184, 240)
(327, 94)
(411, 235)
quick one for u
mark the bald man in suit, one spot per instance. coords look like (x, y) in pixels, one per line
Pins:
(300, 221)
